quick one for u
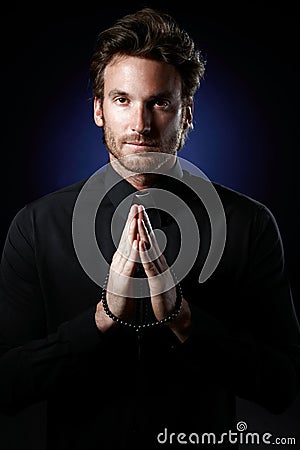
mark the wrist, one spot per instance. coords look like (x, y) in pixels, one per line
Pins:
(103, 321)
(182, 324)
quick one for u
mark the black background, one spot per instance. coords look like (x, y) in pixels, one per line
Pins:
(41, 46)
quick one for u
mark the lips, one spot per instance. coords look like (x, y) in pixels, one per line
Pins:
(138, 147)
(141, 144)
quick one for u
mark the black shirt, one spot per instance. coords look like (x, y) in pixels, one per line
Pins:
(119, 390)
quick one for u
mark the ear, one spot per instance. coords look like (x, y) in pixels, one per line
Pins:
(189, 114)
(98, 114)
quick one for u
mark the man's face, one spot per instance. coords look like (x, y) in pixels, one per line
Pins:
(141, 111)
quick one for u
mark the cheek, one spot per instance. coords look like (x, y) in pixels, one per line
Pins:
(169, 127)
(116, 120)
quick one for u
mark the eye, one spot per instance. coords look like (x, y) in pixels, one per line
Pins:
(121, 100)
(160, 104)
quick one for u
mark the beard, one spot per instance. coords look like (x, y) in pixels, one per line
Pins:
(144, 161)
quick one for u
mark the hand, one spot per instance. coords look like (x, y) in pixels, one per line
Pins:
(138, 242)
(160, 279)
(122, 268)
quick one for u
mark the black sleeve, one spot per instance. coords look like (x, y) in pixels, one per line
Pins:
(33, 363)
(256, 353)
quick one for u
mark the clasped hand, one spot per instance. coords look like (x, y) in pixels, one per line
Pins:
(138, 244)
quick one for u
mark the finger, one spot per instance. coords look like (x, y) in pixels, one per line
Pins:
(148, 259)
(150, 253)
(130, 263)
(151, 258)
(144, 216)
(128, 236)
(130, 225)
(149, 237)
(129, 233)
(143, 233)
(124, 253)
(125, 266)
(160, 279)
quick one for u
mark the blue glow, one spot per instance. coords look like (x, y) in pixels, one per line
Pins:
(228, 143)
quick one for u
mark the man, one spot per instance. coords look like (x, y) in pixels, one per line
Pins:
(146, 342)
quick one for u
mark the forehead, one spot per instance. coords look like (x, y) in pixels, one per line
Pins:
(134, 75)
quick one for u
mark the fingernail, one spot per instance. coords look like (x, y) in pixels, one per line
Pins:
(146, 245)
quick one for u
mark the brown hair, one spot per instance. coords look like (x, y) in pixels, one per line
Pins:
(148, 33)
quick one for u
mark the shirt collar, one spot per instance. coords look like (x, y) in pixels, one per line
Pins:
(119, 190)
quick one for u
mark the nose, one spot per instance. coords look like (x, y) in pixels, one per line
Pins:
(141, 120)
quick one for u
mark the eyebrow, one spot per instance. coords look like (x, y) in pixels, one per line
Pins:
(164, 94)
(114, 92)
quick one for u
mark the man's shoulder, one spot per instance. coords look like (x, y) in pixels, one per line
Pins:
(202, 184)
(56, 204)
(230, 198)
(65, 196)
(233, 197)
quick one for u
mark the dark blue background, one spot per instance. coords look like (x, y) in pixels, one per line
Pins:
(246, 112)
(246, 116)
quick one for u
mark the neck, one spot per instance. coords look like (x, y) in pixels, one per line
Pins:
(145, 180)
